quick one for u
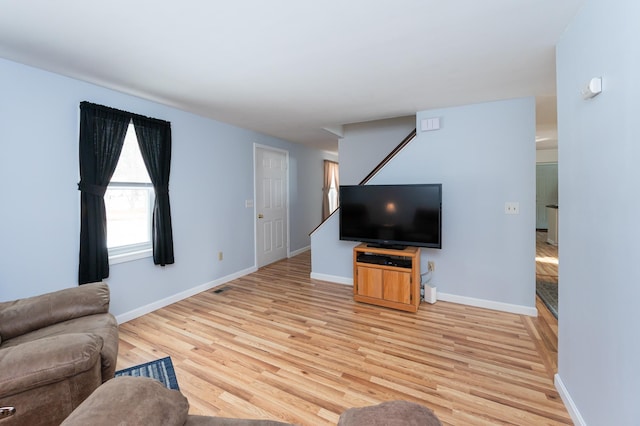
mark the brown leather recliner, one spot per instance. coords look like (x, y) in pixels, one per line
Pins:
(145, 401)
(55, 350)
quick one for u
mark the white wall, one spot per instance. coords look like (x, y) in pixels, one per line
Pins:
(211, 177)
(331, 259)
(484, 156)
(599, 153)
(364, 145)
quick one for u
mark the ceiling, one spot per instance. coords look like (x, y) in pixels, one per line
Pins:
(293, 68)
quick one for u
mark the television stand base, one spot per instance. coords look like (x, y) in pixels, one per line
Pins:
(387, 277)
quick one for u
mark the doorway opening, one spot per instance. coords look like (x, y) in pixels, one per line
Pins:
(547, 235)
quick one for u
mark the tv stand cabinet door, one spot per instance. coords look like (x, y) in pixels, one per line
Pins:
(397, 286)
(370, 282)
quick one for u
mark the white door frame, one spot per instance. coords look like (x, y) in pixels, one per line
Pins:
(255, 208)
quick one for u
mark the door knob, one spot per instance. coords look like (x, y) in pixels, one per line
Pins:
(260, 216)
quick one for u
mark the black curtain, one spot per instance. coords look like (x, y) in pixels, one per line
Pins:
(154, 139)
(102, 133)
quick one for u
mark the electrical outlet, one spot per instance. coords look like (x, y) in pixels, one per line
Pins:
(219, 255)
(511, 207)
(431, 265)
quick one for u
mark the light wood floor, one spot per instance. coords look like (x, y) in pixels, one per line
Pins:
(546, 324)
(278, 345)
(546, 259)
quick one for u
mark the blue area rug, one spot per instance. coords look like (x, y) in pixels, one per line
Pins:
(548, 293)
(160, 369)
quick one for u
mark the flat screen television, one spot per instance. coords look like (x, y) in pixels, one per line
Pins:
(392, 215)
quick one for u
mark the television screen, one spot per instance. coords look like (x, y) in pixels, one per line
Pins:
(392, 215)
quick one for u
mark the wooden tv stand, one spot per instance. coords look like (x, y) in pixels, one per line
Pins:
(387, 277)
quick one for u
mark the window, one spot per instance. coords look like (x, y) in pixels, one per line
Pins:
(330, 190)
(103, 131)
(333, 194)
(129, 201)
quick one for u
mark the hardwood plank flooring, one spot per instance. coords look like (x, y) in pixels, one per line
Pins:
(278, 345)
(546, 259)
(545, 326)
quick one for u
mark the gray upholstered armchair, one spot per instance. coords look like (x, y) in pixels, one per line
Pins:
(55, 350)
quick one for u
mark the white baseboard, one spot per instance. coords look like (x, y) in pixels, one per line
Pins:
(568, 402)
(128, 316)
(332, 278)
(299, 251)
(489, 304)
(480, 303)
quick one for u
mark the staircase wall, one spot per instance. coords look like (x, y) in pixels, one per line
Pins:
(364, 145)
(484, 155)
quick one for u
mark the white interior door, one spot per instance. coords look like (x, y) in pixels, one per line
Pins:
(271, 206)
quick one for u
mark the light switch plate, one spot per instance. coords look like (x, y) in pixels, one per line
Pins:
(429, 124)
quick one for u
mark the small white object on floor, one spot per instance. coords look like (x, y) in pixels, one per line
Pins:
(430, 294)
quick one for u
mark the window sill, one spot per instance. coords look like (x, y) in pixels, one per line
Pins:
(128, 257)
